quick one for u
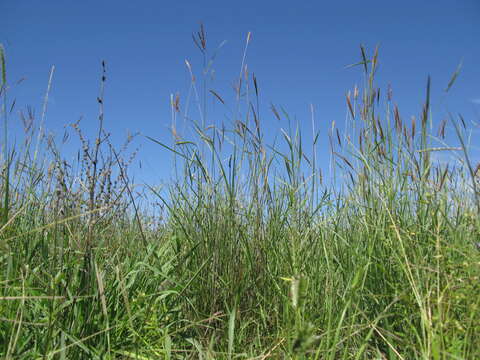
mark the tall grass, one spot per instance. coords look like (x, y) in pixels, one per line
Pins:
(259, 256)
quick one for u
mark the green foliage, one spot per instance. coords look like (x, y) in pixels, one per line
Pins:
(257, 256)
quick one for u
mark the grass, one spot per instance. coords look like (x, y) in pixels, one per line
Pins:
(257, 256)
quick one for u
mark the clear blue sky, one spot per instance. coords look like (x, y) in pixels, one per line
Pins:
(298, 53)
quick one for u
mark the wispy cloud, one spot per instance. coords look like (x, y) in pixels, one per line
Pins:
(476, 101)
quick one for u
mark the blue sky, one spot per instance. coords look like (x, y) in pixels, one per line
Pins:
(298, 53)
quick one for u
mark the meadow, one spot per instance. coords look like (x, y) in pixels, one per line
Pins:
(255, 254)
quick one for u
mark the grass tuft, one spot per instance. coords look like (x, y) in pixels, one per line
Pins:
(257, 255)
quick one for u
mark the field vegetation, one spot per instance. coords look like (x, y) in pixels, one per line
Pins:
(257, 253)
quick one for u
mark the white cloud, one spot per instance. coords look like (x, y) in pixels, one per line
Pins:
(476, 101)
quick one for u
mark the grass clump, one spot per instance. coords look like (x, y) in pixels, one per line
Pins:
(257, 256)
